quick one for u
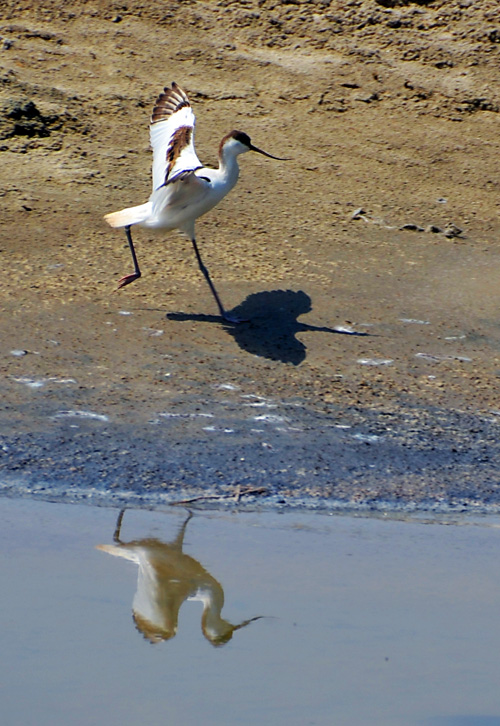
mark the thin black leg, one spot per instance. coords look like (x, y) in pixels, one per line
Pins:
(179, 540)
(127, 279)
(229, 318)
(118, 528)
(207, 278)
(132, 250)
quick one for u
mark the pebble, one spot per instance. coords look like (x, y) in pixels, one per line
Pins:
(452, 231)
(412, 228)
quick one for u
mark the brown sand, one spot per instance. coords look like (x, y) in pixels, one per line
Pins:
(390, 107)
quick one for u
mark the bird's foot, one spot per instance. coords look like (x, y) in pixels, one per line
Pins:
(233, 319)
(127, 279)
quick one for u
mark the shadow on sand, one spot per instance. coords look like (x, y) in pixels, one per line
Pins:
(271, 324)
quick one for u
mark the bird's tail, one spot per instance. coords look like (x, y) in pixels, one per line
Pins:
(129, 216)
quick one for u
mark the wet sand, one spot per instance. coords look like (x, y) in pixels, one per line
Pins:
(368, 373)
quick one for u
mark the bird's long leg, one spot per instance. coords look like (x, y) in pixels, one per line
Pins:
(227, 317)
(127, 279)
(118, 528)
(179, 540)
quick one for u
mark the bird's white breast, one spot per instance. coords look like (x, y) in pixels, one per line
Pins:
(179, 204)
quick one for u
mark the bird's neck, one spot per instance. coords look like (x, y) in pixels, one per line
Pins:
(228, 167)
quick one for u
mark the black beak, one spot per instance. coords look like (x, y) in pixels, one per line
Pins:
(264, 153)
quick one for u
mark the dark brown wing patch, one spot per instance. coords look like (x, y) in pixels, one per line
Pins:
(168, 102)
(180, 139)
(186, 176)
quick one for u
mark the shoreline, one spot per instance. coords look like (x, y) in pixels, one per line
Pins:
(214, 448)
(443, 512)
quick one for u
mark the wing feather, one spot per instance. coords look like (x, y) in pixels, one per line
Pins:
(184, 190)
(172, 136)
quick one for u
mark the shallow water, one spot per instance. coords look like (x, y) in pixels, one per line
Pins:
(365, 621)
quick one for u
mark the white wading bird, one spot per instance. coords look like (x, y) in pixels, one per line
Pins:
(183, 189)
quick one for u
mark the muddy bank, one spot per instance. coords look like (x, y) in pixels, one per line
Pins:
(222, 444)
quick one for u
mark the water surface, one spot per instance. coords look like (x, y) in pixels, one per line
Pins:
(360, 620)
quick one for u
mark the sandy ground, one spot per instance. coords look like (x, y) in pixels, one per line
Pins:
(368, 373)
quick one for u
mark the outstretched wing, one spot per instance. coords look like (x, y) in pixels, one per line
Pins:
(172, 136)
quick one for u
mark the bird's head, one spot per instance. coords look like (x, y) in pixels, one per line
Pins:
(238, 142)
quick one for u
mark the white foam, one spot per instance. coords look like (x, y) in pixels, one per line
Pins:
(414, 321)
(375, 361)
(30, 382)
(40, 382)
(261, 404)
(367, 438)
(217, 429)
(269, 418)
(171, 414)
(437, 358)
(81, 414)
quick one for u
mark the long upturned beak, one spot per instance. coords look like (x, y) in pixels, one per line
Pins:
(264, 153)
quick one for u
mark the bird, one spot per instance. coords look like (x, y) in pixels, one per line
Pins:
(183, 189)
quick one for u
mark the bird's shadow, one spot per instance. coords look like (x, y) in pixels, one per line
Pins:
(272, 325)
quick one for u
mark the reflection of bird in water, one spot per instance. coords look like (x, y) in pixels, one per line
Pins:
(167, 577)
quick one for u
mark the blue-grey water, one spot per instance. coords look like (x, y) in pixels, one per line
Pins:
(365, 621)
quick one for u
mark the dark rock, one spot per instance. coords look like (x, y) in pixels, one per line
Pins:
(22, 118)
(411, 228)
